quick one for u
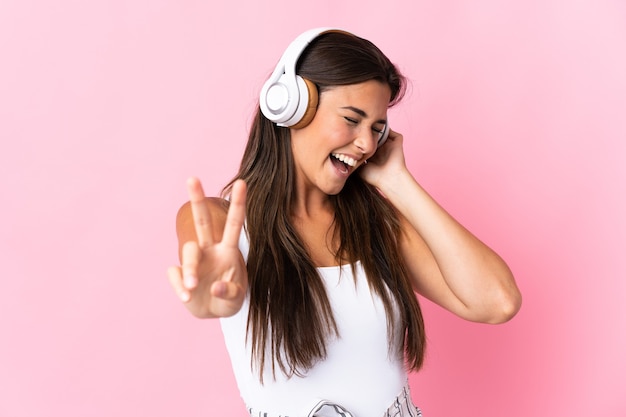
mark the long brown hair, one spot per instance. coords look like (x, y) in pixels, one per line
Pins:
(290, 314)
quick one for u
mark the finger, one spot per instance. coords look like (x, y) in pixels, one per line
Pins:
(225, 288)
(200, 212)
(175, 277)
(236, 214)
(191, 255)
(393, 135)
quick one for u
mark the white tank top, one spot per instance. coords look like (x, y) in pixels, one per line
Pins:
(360, 372)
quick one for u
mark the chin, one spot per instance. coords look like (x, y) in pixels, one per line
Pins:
(334, 190)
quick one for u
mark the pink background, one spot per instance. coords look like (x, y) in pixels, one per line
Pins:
(516, 123)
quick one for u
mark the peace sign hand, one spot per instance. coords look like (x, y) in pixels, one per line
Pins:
(212, 280)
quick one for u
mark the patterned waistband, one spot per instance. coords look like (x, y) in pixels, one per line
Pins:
(402, 406)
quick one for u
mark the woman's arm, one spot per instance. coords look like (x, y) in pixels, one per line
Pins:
(447, 263)
(212, 279)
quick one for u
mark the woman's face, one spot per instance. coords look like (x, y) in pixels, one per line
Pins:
(342, 135)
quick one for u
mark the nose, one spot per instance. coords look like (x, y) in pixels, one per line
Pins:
(367, 141)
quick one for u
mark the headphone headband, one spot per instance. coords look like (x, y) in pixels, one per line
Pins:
(288, 61)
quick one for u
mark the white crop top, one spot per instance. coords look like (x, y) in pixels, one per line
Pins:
(360, 373)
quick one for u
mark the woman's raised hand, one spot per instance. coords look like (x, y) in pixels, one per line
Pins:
(387, 162)
(212, 280)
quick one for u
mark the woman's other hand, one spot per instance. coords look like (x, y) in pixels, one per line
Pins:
(212, 279)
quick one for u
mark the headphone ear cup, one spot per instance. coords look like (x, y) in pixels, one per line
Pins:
(277, 99)
(384, 135)
(308, 102)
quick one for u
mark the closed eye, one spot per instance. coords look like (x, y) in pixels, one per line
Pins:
(378, 131)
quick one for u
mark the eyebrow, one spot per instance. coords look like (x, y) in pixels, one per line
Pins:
(362, 113)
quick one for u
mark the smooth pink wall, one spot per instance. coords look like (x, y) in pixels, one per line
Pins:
(516, 123)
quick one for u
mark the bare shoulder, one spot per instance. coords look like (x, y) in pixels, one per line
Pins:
(215, 205)
(214, 210)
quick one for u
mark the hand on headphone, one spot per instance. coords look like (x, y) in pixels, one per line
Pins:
(387, 162)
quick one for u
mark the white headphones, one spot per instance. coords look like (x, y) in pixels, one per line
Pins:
(290, 100)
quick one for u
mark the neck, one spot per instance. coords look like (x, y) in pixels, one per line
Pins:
(310, 202)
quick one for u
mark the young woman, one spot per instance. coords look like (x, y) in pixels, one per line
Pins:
(313, 258)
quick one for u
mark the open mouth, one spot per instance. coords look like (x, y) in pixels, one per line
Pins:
(342, 163)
